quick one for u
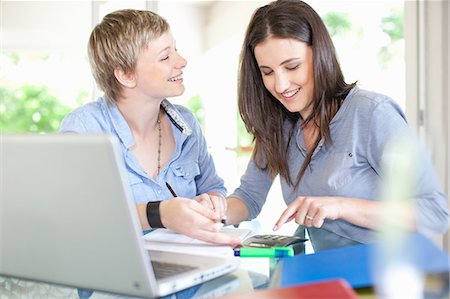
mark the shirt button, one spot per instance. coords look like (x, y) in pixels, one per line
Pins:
(350, 155)
(159, 191)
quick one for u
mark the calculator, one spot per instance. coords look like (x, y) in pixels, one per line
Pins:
(268, 240)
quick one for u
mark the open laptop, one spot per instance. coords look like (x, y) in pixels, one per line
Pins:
(66, 217)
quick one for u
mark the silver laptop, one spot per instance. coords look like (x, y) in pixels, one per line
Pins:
(66, 217)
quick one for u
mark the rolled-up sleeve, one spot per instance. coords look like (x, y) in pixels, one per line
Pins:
(388, 124)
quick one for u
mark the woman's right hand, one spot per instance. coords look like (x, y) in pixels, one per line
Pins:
(189, 217)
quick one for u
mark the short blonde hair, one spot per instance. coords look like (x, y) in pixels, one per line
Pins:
(116, 43)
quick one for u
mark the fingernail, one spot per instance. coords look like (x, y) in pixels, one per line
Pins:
(275, 227)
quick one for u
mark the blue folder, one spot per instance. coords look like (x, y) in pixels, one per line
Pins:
(357, 264)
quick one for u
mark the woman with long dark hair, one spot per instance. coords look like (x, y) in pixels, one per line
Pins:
(323, 136)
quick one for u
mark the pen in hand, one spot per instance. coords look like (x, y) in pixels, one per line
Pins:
(223, 221)
(171, 190)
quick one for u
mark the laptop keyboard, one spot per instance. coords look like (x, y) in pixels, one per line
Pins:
(163, 270)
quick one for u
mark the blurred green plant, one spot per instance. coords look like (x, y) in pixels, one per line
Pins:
(338, 24)
(392, 25)
(245, 139)
(30, 108)
(195, 104)
(13, 56)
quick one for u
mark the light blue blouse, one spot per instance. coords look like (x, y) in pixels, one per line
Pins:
(351, 167)
(191, 169)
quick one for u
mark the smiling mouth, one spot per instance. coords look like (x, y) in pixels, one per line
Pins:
(177, 78)
(290, 93)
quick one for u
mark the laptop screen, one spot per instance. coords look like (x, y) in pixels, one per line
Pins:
(67, 217)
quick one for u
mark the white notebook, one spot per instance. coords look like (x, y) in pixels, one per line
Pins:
(167, 240)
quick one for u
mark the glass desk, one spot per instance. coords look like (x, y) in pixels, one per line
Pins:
(252, 274)
(239, 281)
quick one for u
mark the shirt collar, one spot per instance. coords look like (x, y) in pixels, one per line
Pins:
(176, 118)
(119, 124)
(123, 130)
(341, 111)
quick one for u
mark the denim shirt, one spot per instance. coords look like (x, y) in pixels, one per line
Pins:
(351, 167)
(191, 169)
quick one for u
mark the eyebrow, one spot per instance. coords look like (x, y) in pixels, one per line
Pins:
(284, 62)
(165, 49)
(168, 47)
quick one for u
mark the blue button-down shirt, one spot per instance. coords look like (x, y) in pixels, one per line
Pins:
(191, 169)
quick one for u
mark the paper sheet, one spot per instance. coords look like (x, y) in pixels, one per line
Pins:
(166, 240)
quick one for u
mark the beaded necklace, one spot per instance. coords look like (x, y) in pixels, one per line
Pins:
(159, 142)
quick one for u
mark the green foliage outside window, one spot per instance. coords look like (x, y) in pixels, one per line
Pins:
(30, 109)
(392, 25)
(245, 140)
(195, 104)
(337, 23)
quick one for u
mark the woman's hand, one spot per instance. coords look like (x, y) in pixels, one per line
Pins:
(311, 211)
(215, 202)
(191, 218)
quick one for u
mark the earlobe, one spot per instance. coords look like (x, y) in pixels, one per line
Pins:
(127, 79)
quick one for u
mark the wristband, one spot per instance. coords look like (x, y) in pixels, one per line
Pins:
(153, 216)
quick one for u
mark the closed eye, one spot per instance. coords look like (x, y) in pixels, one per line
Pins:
(292, 68)
(165, 58)
(265, 70)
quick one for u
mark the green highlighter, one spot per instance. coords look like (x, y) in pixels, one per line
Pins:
(272, 252)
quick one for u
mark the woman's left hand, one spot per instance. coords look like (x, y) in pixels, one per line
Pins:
(214, 201)
(311, 211)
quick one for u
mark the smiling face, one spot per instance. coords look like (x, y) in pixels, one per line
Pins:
(158, 72)
(286, 67)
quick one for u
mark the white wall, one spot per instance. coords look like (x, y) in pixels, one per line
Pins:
(45, 25)
(187, 19)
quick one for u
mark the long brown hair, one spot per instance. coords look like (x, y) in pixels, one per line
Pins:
(263, 115)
